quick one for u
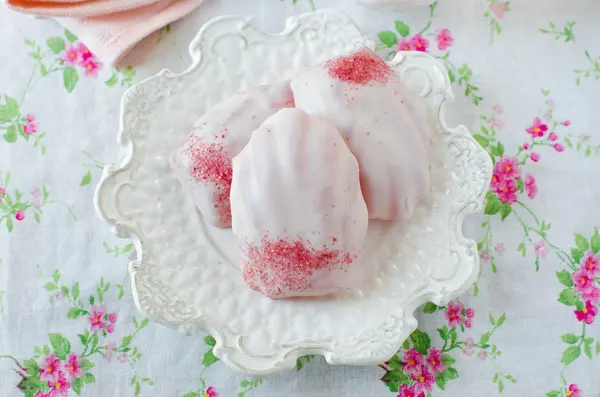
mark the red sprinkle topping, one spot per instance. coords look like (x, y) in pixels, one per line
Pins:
(361, 67)
(277, 267)
(210, 162)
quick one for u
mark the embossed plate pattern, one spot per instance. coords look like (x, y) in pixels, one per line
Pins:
(186, 274)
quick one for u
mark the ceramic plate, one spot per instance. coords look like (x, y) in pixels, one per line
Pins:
(187, 274)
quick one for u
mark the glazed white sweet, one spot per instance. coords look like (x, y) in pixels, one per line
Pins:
(382, 123)
(203, 161)
(298, 212)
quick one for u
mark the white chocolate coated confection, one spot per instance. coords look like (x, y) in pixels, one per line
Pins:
(203, 161)
(298, 211)
(383, 126)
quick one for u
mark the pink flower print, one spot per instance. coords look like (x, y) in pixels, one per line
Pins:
(112, 317)
(496, 122)
(573, 391)
(2, 191)
(559, 147)
(499, 249)
(412, 359)
(40, 394)
(535, 157)
(108, 351)
(30, 127)
(454, 313)
(547, 116)
(419, 43)
(530, 186)
(434, 360)
(20, 215)
(567, 123)
(468, 349)
(498, 109)
(508, 167)
(95, 319)
(526, 146)
(36, 198)
(123, 358)
(507, 191)
(553, 136)
(498, 9)
(581, 280)
(482, 355)
(470, 312)
(71, 55)
(211, 392)
(423, 379)
(550, 102)
(90, 67)
(497, 178)
(468, 323)
(592, 294)
(591, 263)
(409, 391)
(537, 129)
(404, 45)
(73, 366)
(84, 52)
(444, 39)
(587, 314)
(49, 367)
(110, 328)
(59, 386)
(541, 249)
(485, 256)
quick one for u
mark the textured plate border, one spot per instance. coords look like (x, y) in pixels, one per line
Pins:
(230, 347)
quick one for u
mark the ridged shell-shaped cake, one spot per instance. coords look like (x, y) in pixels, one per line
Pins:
(203, 161)
(383, 126)
(298, 211)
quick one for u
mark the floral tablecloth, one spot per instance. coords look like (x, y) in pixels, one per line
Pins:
(526, 77)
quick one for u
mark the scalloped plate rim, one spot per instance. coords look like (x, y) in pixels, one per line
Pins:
(126, 231)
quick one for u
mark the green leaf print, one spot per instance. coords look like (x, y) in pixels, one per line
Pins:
(577, 254)
(568, 297)
(70, 36)
(11, 134)
(565, 278)
(483, 141)
(430, 307)
(493, 205)
(571, 354)
(402, 28)
(61, 345)
(209, 340)
(209, 358)
(570, 338)
(581, 242)
(56, 44)
(87, 178)
(421, 341)
(77, 385)
(388, 38)
(396, 378)
(441, 380)
(505, 211)
(70, 79)
(595, 242)
(88, 378)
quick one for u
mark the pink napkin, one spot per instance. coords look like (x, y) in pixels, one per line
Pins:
(111, 28)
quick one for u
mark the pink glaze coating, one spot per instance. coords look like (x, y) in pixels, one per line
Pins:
(298, 211)
(203, 161)
(385, 125)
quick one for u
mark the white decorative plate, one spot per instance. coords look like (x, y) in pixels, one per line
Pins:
(187, 273)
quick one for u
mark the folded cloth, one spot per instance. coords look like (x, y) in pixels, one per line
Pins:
(110, 36)
(76, 8)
